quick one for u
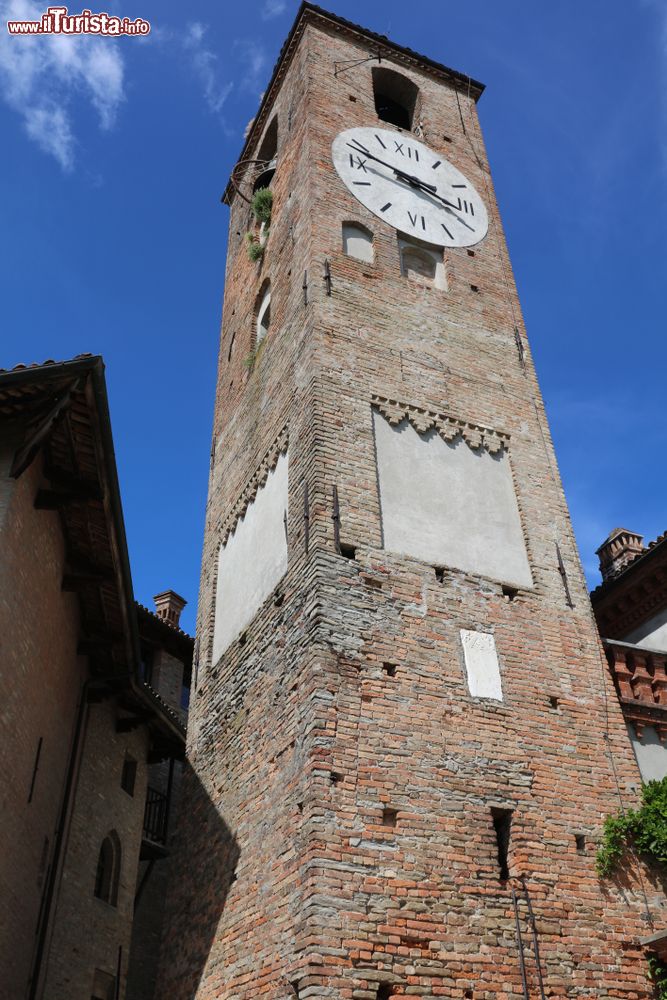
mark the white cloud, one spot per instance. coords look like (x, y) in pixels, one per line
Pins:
(40, 77)
(273, 8)
(254, 60)
(205, 64)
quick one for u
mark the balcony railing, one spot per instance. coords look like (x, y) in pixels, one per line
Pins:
(155, 816)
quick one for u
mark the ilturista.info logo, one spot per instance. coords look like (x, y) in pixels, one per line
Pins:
(58, 21)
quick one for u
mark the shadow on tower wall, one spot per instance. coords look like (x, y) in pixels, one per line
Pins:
(204, 861)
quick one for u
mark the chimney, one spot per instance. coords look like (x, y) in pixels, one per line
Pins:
(168, 606)
(617, 551)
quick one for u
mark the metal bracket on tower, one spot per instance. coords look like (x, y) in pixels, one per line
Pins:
(520, 349)
(327, 275)
(563, 576)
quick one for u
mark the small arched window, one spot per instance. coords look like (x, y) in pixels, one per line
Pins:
(107, 875)
(422, 264)
(396, 98)
(263, 313)
(358, 241)
(267, 152)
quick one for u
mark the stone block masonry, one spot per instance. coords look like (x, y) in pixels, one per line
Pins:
(345, 789)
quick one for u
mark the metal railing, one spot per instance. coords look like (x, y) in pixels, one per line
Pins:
(155, 816)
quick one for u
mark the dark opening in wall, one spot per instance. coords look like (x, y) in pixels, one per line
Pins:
(129, 775)
(336, 777)
(243, 638)
(396, 97)
(474, 288)
(510, 593)
(385, 991)
(502, 823)
(389, 669)
(471, 253)
(348, 551)
(267, 152)
(580, 841)
(389, 817)
(439, 574)
(553, 701)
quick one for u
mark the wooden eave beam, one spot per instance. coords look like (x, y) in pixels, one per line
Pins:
(28, 450)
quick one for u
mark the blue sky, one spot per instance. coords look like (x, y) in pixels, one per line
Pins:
(112, 237)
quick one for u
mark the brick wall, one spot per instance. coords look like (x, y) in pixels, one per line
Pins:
(290, 878)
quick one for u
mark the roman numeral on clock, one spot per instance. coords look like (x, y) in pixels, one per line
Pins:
(413, 219)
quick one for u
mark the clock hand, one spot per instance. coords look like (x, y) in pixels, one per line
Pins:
(428, 189)
(358, 148)
(412, 180)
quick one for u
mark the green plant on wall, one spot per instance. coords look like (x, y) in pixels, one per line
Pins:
(645, 829)
(249, 360)
(261, 205)
(657, 973)
(254, 247)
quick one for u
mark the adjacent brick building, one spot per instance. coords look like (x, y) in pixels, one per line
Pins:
(84, 731)
(630, 607)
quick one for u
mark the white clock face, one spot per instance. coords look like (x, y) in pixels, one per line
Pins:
(409, 186)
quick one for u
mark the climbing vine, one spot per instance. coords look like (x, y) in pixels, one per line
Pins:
(657, 973)
(645, 829)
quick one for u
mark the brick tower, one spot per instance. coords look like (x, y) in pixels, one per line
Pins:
(403, 734)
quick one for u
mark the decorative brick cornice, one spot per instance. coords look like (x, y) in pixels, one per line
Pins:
(447, 427)
(254, 485)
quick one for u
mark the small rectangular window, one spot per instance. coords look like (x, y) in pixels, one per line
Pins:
(129, 775)
(389, 817)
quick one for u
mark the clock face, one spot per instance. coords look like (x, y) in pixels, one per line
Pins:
(409, 186)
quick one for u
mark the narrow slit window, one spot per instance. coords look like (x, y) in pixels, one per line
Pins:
(502, 824)
(107, 874)
(128, 776)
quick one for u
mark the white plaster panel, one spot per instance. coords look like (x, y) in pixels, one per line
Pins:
(253, 560)
(651, 754)
(482, 667)
(652, 634)
(449, 505)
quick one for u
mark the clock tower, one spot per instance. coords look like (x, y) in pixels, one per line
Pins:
(403, 737)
